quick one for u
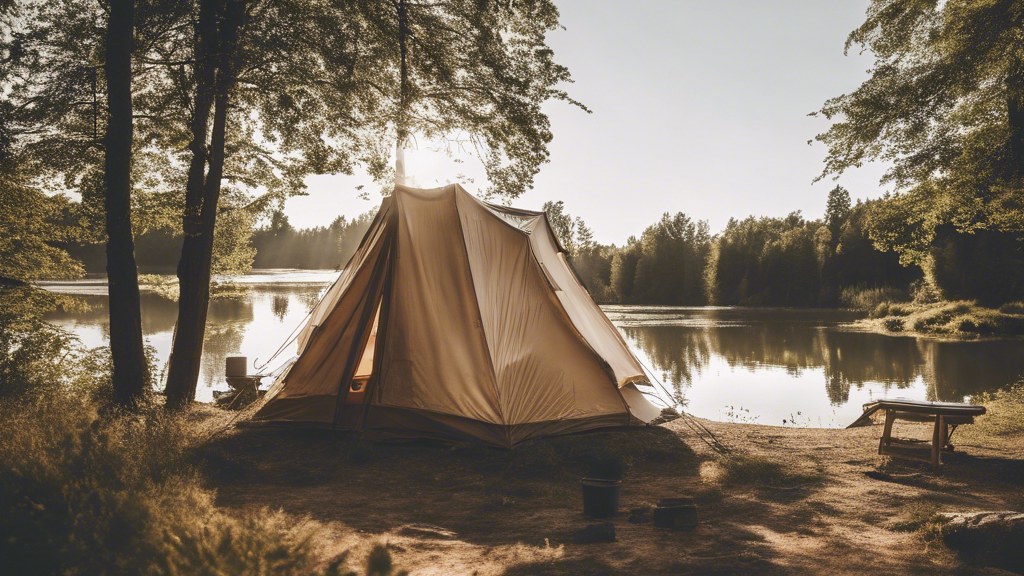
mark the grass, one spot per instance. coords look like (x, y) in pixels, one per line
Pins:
(88, 490)
(963, 319)
(1004, 416)
(919, 515)
(744, 469)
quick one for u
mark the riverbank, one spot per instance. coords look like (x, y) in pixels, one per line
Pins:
(801, 501)
(962, 320)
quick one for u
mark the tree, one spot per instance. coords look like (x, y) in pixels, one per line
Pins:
(945, 107)
(130, 369)
(837, 211)
(573, 233)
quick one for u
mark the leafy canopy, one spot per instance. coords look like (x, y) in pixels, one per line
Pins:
(944, 107)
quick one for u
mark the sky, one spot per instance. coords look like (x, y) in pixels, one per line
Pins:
(698, 107)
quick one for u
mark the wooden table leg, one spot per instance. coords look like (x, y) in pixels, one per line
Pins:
(890, 416)
(937, 442)
(943, 433)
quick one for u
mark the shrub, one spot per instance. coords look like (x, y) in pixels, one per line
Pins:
(1012, 308)
(900, 310)
(863, 298)
(924, 292)
(893, 324)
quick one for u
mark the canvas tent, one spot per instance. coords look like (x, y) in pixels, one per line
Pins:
(462, 320)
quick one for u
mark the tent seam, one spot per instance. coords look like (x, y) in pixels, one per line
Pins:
(479, 315)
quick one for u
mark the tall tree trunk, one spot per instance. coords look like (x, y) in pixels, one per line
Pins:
(215, 80)
(131, 373)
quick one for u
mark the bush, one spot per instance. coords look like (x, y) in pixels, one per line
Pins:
(924, 292)
(893, 324)
(864, 298)
(1012, 308)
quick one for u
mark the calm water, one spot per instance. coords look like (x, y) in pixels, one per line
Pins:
(767, 366)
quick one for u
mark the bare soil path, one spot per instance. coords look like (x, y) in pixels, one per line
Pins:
(785, 501)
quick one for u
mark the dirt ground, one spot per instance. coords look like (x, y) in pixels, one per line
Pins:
(783, 501)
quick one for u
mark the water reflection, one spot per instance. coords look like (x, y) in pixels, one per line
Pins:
(792, 367)
(254, 325)
(802, 367)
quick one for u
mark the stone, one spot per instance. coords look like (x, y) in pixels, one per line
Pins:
(987, 538)
(595, 533)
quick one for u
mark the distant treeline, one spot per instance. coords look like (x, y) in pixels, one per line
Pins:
(276, 245)
(279, 245)
(788, 261)
(791, 261)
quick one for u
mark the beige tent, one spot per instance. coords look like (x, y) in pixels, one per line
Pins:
(461, 320)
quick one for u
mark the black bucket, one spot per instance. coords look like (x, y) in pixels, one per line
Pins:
(600, 497)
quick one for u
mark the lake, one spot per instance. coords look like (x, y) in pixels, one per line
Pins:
(785, 367)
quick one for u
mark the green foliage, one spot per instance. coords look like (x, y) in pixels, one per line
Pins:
(665, 266)
(86, 488)
(894, 324)
(1004, 412)
(572, 233)
(957, 319)
(876, 299)
(837, 211)
(1012, 308)
(944, 107)
(765, 262)
(35, 356)
(30, 222)
(673, 255)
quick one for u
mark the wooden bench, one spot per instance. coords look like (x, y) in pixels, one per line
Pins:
(943, 414)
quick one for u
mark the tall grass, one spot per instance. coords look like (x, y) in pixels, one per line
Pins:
(82, 493)
(868, 298)
(88, 489)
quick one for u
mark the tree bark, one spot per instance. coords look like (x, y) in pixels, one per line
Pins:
(215, 78)
(131, 372)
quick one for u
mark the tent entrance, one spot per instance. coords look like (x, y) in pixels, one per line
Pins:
(361, 378)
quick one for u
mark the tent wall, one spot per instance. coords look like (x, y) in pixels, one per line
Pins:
(435, 355)
(309, 391)
(586, 315)
(544, 371)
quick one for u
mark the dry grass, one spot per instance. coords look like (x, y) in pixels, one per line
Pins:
(88, 493)
(947, 319)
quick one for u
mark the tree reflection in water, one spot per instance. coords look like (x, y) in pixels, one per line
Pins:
(683, 345)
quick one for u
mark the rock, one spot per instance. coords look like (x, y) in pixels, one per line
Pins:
(676, 514)
(595, 533)
(987, 538)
